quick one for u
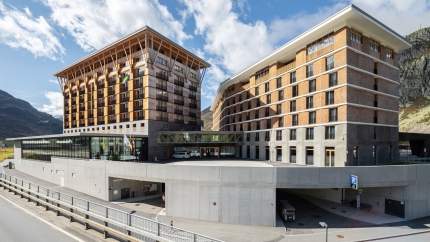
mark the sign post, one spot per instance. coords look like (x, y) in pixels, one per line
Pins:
(354, 185)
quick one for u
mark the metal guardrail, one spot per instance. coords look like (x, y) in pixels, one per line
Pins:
(136, 226)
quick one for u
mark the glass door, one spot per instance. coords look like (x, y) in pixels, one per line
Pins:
(329, 156)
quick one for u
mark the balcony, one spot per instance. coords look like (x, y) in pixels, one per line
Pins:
(161, 85)
(111, 109)
(193, 105)
(100, 93)
(124, 117)
(112, 81)
(111, 91)
(112, 119)
(124, 98)
(100, 120)
(138, 115)
(179, 82)
(178, 91)
(100, 102)
(161, 108)
(193, 88)
(193, 115)
(138, 94)
(162, 97)
(162, 76)
(192, 96)
(138, 83)
(179, 111)
(178, 101)
(123, 109)
(179, 120)
(162, 117)
(90, 121)
(138, 105)
(123, 87)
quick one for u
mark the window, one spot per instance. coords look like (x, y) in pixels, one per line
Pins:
(293, 134)
(256, 91)
(309, 102)
(375, 100)
(257, 115)
(310, 70)
(278, 135)
(329, 63)
(257, 124)
(374, 46)
(248, 152)
(295, 120)
(374, 132)
(293, 106)
(309, 133)
(262, 72)
(278, 82)
(267, 136)
(280, 95)
(330, 132)
(257, 136)
(312, 117)
(268, 123)
(309, 155)
(295, 90)
(278, 153)
(266, 87)
(312, 85)
(267, 153)
(278, 108)
(267, 112)
(268, 98)
(329, 98)
(332, 79)
(257, 152)
(321, 44)
(375, 68)
(375, 117)
(355, 37)
(248, 137)
(389, 54)
(293, 155)
(292, 77)
(281, 122)
(332, 115)
(257, 102)
(375, 84)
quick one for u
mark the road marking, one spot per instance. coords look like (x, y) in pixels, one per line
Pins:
(43, 220)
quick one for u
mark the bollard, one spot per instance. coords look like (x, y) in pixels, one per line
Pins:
(106, 234)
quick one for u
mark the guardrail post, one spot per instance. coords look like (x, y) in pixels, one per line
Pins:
(37, 195)
(47, 194)
(86, 216)
(71, 210)
(195, 237)
(158, 229)
(106, 235)
(58, 204)
(129, 224)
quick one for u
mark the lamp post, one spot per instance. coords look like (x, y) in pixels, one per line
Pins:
(325, 226)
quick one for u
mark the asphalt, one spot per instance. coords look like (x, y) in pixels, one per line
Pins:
(18, 226)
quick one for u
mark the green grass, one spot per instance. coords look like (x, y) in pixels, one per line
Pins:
(6, 153)
(416, 116)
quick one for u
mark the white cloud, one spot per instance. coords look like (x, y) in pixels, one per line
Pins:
(94, 23)
(55, 104)
(20, 29)
(403, 16)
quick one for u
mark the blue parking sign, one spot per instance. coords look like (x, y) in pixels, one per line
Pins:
(354, 181)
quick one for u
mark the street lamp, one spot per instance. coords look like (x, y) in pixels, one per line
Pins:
(325, 226)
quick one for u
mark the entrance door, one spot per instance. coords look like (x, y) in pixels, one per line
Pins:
(395, 208)
(329, 156)
(125, 193)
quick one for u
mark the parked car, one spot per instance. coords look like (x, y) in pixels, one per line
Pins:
(195, 153)
(287, 211)
(181, 155)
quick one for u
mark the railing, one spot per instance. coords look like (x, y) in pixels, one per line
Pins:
(112, 220)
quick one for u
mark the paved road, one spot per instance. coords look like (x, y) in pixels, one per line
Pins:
(410, 238)
(18, 226)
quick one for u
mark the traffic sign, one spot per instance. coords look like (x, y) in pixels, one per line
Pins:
(354, 181)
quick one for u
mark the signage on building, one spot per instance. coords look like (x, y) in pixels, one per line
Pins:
(354, 181)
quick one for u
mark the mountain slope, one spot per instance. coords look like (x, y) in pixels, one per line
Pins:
(207, 119)
(18, 118)
(415, 83)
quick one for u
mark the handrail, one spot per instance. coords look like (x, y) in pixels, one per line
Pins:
(135, 225)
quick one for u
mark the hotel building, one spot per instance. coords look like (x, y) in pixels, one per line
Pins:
(139, 85)
(329, 97)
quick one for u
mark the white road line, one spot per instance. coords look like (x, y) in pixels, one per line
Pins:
(43, 220)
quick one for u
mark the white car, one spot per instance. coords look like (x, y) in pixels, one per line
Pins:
(195, 153)
(181, 155)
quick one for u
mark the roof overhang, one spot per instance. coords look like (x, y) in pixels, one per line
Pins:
(78, 134)
(351, 16)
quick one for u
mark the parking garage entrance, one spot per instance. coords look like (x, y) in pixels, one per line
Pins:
(134, 191)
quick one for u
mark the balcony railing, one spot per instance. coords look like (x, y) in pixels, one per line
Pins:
(161, 85)
(178, 91)
(178, 101)
(162, 76)
(161, 108)
(112, 119)
(138, 115)
(162, 97)
(179, 82)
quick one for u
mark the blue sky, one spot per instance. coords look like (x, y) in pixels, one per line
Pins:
(40, 37)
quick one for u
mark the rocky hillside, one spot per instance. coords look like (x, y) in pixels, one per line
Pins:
(415, 83)
(18, 118)
(207, 119)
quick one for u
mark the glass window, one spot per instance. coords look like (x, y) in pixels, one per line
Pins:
(293, 106)
(312, 85)
(292, 77)
(257, 152)
(268, 98)
(309, 133)
(278, 108)
(310, 70)
(332, 79)
(329, 98)
(267, 136)
(266, 86)
(278, 153)
(330, 132)
(278, 135)
(312, 117)
(332, 115)
(309, 155)
(329, 62)
(267, 150)
(280, 95)
(295, 90)
(293, 155)
(278, 82)
(257, 136)
(295, 120)
(309, 102)
(293, 133)
(256, 91)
